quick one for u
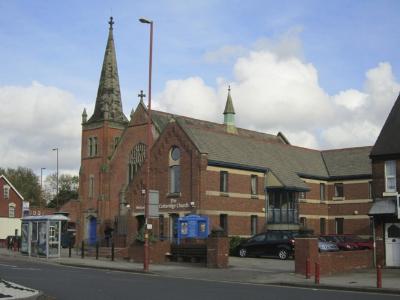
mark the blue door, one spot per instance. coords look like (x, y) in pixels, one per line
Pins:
(92, 231)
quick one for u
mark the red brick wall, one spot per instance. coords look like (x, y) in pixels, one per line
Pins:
(217, 252)
(158, 251)
(330, 262)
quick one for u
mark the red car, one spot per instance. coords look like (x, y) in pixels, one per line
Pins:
(340, 241)
(360, 242)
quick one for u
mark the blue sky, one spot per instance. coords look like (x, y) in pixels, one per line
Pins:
(204, 45)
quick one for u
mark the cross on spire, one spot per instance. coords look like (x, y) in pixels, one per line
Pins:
(141, 95)
(111, 22)
(229, 88)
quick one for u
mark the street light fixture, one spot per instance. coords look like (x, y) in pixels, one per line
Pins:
(149, 140)
(56, 149)
(41, 186)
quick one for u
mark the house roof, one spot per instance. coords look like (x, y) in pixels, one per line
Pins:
(348, 162)
(383, 206)
(388, 139)
(10, 184)
(255, 150)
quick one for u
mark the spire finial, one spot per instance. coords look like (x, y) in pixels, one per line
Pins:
(111, 22)
(141, 95)
(229, 88)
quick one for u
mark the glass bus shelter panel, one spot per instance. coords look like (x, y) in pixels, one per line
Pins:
(34, 238)
(54, 238)
(42, 230)
(24, 238)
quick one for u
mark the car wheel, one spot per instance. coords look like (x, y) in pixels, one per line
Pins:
(242, 252)
(283, 254)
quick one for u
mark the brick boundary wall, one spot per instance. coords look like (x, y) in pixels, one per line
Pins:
(217, 252)
(330, 262)
(158, 251)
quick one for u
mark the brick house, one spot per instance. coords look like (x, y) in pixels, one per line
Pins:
(244, 181)
(385, 156)
(11, 203)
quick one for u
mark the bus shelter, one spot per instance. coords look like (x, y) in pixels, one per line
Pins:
(41, 235)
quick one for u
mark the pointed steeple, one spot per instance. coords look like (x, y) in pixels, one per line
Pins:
(108, 101)
(229, 114)
(84, 116)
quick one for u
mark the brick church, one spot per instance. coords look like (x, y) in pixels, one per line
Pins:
(244, 181)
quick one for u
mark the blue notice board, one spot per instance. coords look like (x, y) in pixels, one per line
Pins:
(193, 226)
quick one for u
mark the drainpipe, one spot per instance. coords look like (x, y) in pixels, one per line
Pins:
(266, 199)
(374, 239)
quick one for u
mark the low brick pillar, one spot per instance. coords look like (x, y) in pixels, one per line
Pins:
(306, 247)
(158, 251)
(217, 252)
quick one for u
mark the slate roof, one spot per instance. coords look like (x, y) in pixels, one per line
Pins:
(388, 142)
(254, 150)
(348, 162)
(382, 206)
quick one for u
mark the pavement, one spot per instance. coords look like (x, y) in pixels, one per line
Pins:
(241, 270)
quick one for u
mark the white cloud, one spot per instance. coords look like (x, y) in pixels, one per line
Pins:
(225, 54)
(190, 97)
(36, 119)
(275, 90)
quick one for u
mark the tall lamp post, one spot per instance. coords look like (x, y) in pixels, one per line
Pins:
(56, 149)
(149, 140)
(41, 186)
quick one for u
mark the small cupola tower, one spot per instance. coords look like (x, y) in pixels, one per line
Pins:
(229, 114)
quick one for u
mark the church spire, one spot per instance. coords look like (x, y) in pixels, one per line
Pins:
(229, 114)
(108, 101)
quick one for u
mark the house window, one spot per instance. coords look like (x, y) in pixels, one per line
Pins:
(322, 225)
(303, 222)
(253, 224)
(282, 207)
(6, 192)
(338, 189)
(116, 141)
(90, 146)
(96, 148)
(322, 191)
(339, 225)
(91, 186)
(253, 184)
(223, 222)
(136, 158)
(223, 182)
(390, 176)
(175, 170)
(370, 190)
(11, 210)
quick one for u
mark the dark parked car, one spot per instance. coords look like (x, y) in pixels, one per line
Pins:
(271, 243)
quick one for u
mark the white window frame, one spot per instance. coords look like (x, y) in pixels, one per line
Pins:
(390, 165)
(6, 191)
(11, 208)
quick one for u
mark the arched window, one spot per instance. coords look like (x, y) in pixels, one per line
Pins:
(175, 170)
(11, 210)
(90, 146)
(136, 159)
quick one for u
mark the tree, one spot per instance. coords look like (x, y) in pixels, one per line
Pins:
(25, 181)
(67, 188)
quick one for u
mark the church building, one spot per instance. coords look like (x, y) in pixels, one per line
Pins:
(244, 181)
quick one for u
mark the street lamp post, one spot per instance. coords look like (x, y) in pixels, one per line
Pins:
(149, 140)
(41, 186)
(56, 149)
